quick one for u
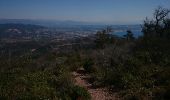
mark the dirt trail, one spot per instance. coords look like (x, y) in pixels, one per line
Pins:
(81, 79)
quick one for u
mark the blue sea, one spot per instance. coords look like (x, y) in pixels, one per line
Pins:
(136, 33)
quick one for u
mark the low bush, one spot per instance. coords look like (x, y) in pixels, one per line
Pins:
(50, 84)
(88, 65)
(80, 94)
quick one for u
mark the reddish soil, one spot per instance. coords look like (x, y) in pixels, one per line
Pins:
(81, 79)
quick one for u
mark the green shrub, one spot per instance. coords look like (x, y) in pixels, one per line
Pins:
(28, 86)
(80, 93)
(88, 65)
(51, 84)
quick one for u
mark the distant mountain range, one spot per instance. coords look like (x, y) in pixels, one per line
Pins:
(48, 23)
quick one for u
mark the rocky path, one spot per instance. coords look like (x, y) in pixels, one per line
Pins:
(81, 79)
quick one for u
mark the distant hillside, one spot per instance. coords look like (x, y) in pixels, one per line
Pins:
(20, 26)
(11, 30)
(48, 23)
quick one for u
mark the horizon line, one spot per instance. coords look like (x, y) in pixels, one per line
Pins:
(78, 21)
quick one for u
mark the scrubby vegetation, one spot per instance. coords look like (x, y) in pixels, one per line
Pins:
(37, 75)
(136, 68)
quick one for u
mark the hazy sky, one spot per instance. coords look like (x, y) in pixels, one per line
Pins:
(105, 11)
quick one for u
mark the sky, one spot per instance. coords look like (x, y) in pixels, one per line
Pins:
(102, 11)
